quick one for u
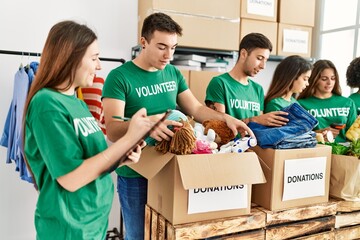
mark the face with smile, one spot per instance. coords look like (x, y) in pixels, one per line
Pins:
(159, 50)
(326, 82)
(255, 61)
(90, 63)
(301, 82)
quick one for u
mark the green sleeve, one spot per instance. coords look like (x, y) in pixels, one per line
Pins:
(215, 91)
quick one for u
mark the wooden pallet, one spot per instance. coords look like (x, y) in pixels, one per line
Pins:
(347, 220)
(338, 220)
(308, 222)
(157, 227)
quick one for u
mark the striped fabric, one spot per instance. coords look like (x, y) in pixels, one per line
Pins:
(92, 97)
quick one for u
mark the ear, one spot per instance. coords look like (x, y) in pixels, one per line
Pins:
(143, 42)
(243, 53)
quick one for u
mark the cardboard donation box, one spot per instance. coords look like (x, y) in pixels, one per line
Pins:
(293, 39)
(265, 10)
(295, 177)
(197, 187)
(204, 24)
(345, 177)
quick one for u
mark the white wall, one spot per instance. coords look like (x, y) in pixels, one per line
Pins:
(24, 27)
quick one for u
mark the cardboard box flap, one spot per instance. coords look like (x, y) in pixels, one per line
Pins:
(215, 170)
(151, 162)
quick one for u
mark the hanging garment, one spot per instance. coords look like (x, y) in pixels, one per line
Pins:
(12, 133)
(300, 122)
(92, 97)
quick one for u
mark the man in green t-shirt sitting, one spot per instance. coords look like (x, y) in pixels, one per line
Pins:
(236, 94)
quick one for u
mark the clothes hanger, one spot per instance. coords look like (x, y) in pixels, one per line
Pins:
(21, 62)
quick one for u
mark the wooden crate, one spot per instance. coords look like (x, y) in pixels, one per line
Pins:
(347, 220)
(336, 219)
(315, 221)
(240, 227)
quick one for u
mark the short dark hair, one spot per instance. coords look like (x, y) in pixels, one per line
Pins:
(353, 73)
(255, 40)
(159, 22)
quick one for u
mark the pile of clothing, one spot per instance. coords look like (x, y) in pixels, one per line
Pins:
(297, 133)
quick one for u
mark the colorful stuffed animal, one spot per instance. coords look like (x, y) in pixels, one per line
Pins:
(204, 143)
(223, 133)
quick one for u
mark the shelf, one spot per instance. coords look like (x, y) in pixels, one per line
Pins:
(200, 51)
(211, 52)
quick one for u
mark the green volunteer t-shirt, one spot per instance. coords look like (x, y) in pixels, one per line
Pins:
(336, 109)
(356, 98)
(241, 101)
(60, 134)
(156, 91)
(278, 103)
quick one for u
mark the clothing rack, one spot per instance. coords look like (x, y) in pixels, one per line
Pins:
(34, 54)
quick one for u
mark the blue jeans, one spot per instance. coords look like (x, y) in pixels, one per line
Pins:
(133, 196)
(300, 122)
(306, 140)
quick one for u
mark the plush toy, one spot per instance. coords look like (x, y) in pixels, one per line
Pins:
(238, 145)
(204, 143)
(199, 133)
(183, 141)
(223, 133)
(174, 115)
(202, 147)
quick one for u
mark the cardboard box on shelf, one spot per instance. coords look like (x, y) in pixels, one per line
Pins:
(186, 74)
(177, 184)
(269, 29)
(265, 10)
(295, 177)
(204, 26)
(297, 12)
(294, 40)
(213, 8)
(199, 80)
(345, 177)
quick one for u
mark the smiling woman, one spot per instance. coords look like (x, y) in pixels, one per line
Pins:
(64, 147)
(322, 99)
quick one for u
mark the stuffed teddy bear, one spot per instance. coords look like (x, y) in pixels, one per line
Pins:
(223, 133)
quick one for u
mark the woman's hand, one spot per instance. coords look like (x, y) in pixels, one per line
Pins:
(134, 156)
(139, 125)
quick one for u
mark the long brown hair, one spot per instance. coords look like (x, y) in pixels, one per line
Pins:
(62, 54)
(288, 70)
(315, 76)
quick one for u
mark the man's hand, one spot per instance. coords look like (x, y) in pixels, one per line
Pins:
(272, 119)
